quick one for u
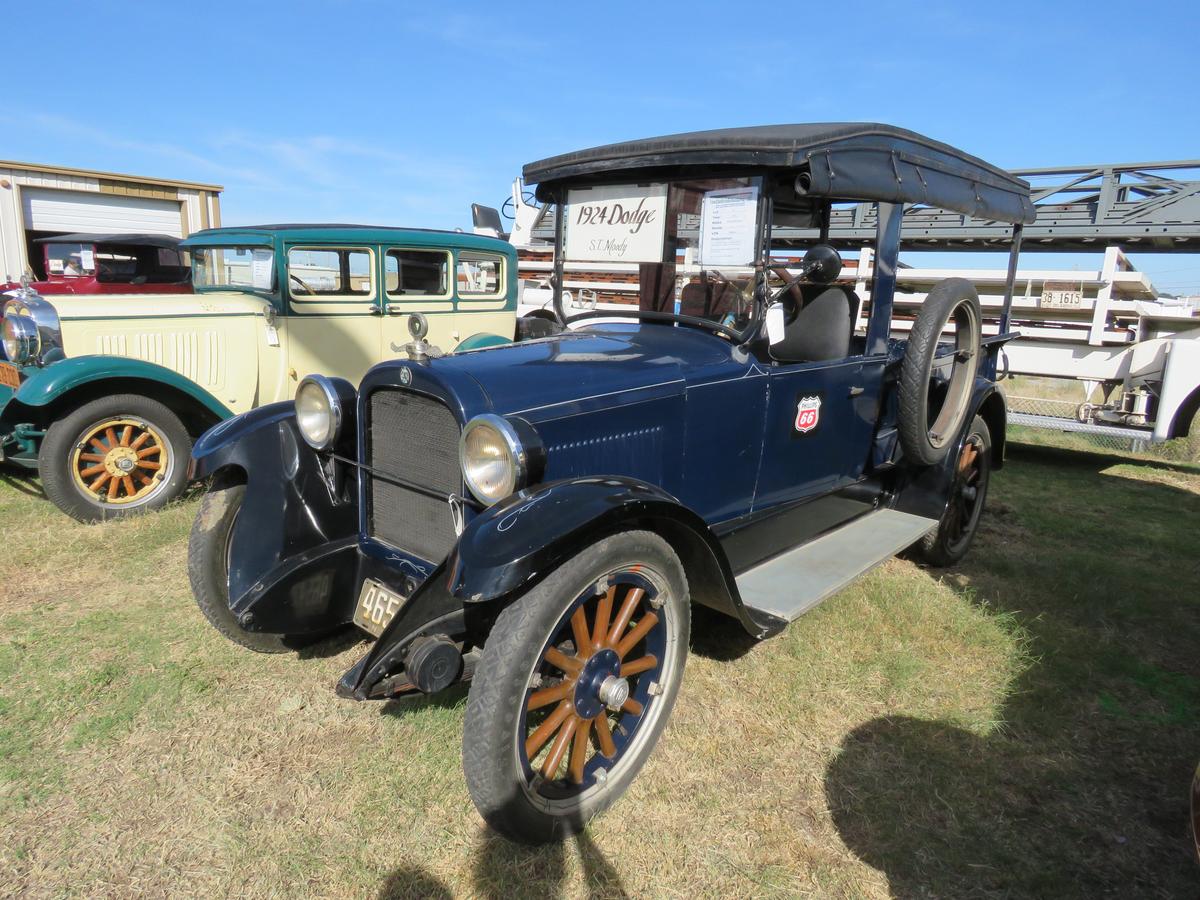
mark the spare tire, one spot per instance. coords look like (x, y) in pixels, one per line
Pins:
(932, 415)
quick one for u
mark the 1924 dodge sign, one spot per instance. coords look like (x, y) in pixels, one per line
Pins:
(539, 517)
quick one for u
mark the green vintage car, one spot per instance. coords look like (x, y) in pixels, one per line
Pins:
(104, 395)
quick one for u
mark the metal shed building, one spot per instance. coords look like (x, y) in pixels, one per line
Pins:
(40, 201)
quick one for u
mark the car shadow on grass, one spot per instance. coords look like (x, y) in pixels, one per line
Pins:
(24, 481)
(504, 870)
(1081, 788)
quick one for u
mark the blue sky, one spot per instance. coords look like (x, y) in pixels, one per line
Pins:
(405, 113)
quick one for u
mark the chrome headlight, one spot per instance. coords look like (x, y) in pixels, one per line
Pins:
(30, 305)
(22, 343)
(318, 412)
(498, 456)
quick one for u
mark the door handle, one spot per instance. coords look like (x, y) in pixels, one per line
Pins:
(856, 390)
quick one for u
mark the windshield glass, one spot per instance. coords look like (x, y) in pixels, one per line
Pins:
(233, 268)
(693, 243)
(70, 260)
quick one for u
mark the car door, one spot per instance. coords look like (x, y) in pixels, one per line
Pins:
(417, 279)
(333, 325)
(820, 423)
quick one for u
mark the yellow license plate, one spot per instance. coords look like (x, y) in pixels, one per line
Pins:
(10, 375)
(377, 606)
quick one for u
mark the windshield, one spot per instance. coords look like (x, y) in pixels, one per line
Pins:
(233, 268)
(694, 243)
(70, 260)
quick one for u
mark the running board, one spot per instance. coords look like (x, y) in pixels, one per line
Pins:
(787, 585)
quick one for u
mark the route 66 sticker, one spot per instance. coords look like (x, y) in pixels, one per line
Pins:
(808, 414)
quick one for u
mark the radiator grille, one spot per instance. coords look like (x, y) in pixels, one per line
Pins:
(415, 438)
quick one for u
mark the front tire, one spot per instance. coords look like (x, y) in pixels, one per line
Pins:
(114, 457)
(577, 681)
(947, 544)
(208, 568)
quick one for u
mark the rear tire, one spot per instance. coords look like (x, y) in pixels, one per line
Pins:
(947, 544)
(114, 457)
(612, 708)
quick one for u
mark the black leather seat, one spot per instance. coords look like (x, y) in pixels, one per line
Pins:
(823, 327)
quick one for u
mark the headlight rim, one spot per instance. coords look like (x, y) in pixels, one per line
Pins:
(333, 401)
(518, 451)
(29, 343)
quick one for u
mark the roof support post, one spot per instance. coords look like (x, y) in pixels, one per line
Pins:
(1011, 279)
(887, 255)
(560, 252)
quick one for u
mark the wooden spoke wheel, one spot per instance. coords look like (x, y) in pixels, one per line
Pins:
(121, 460)
(949, 542)
(597, 675)
(577, 681)
(115, 456)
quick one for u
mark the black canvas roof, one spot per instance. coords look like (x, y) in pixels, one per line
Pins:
(842, 160)
(127, 240)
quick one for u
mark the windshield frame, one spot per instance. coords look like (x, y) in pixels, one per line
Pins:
(671, 249)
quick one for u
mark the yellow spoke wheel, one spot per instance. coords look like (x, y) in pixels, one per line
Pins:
(120, 461)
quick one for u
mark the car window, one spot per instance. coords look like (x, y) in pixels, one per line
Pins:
(329, 272)
(416, 273)
(70, 260)
(243, 268)
(480, 274)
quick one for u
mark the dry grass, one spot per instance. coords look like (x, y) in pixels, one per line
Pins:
(1023, 725)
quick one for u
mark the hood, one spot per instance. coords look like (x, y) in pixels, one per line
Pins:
(609, 364)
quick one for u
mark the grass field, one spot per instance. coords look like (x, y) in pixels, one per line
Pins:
(1024, 725)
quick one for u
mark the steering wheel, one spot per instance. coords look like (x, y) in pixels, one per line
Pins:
(789, 285)
(304, 288)
(508, 208)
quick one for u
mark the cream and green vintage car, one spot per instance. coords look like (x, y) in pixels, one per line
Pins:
(103, 395)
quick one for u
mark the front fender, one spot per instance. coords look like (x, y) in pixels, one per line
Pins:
(519, 540)
(299, 519)
(45, 385)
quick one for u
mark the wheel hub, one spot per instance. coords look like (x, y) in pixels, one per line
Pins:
(120, 461)
(597, 684)
(614, 692)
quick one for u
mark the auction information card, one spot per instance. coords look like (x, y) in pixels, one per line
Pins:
(616, 223)
(727, 225)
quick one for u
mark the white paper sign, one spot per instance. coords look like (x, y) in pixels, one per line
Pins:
(261, 269)
(87, 260)
(727, 224)
(616, 223)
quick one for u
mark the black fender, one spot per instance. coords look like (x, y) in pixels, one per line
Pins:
(511, 546)
(517, 542)
(925, 490)
(288, 571)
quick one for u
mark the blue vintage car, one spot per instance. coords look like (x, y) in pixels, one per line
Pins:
(540, 517)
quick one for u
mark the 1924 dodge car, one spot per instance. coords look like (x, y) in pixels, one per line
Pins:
(539, 517)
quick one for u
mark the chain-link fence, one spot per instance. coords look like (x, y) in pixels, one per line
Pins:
(1182, 450)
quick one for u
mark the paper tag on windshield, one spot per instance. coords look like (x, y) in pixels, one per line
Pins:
(261, 269)
(87, 259)
(775, 323)
(272, 336)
